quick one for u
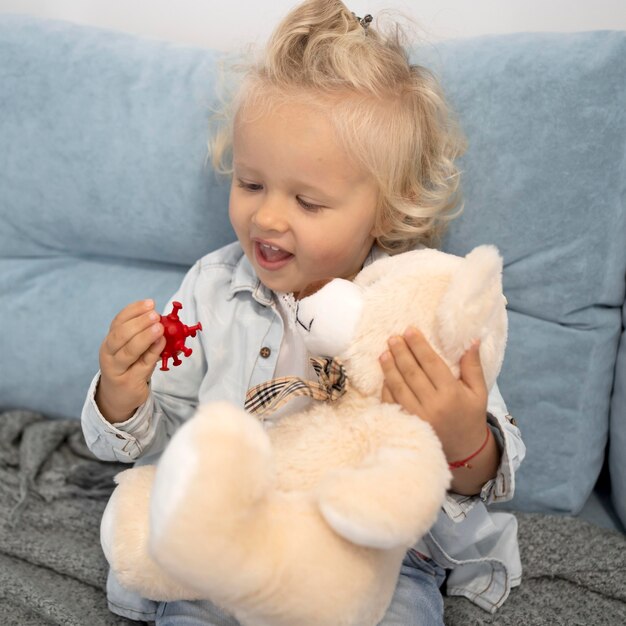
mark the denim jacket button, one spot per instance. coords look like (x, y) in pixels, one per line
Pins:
(265, 352)
(511, 420)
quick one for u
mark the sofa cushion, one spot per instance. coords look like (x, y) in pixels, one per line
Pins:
(63, 310)
(544, 181)
(106, 197)
(107, 142)
(617, 449)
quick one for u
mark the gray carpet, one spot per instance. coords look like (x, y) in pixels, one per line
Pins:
(574, 574)
(53, 492)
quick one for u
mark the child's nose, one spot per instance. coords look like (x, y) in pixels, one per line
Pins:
(270, 215)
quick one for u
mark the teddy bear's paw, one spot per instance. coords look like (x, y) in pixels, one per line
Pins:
(369, 506)
(125, 511)
(360, 522)
(217, 466)
(124, 532)
(107, 528)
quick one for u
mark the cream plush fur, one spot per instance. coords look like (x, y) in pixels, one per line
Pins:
(306, 523)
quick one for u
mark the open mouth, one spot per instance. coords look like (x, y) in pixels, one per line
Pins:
(271, 257)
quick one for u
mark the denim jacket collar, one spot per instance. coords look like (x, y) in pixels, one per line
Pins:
(245, 279)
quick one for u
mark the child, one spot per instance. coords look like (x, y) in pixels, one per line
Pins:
(341, 152)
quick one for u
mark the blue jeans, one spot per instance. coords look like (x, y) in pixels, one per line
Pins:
(417, 601)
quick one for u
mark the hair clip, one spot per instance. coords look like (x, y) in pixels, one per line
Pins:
(363, 21)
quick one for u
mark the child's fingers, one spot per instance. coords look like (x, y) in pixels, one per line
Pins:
(396, 387)
(409, 368)
(386, 396)
(135, 309)
(472, 370)
(146, 363)
(135, 346)
(132, 351)
(430, 362)
(122, 334)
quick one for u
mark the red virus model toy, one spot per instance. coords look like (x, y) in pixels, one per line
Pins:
(175, 334)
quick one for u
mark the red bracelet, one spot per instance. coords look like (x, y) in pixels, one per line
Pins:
(465, 462)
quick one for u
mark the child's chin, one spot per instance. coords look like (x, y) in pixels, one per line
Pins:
(298, 290)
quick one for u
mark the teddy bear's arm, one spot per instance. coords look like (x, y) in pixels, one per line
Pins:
(394, 495)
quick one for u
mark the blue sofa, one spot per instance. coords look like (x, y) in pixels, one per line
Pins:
(106, 197)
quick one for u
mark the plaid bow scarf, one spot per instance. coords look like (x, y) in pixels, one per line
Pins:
(271, 395)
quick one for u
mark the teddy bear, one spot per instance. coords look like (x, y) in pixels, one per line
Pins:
(307, 522)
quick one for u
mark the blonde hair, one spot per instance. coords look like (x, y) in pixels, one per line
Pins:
(390, 115)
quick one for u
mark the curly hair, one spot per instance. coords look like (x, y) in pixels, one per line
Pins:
(390, 115)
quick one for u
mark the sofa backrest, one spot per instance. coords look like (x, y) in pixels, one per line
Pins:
(106, 197)
(545, 181)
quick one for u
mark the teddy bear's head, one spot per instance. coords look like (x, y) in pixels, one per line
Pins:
(452, 300)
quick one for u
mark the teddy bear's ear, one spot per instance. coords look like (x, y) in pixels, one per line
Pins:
(327, 320)
(474, 307)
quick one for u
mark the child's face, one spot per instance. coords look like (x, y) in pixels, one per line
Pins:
(301, 210)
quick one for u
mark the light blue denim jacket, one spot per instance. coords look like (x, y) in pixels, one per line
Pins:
(237, 349)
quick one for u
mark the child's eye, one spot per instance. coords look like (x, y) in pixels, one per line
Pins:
(308, 206)
(249, 186)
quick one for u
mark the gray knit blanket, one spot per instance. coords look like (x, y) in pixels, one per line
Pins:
(52, 571)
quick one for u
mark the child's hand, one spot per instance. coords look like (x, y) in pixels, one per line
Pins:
(128, 356)
(420, 381)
